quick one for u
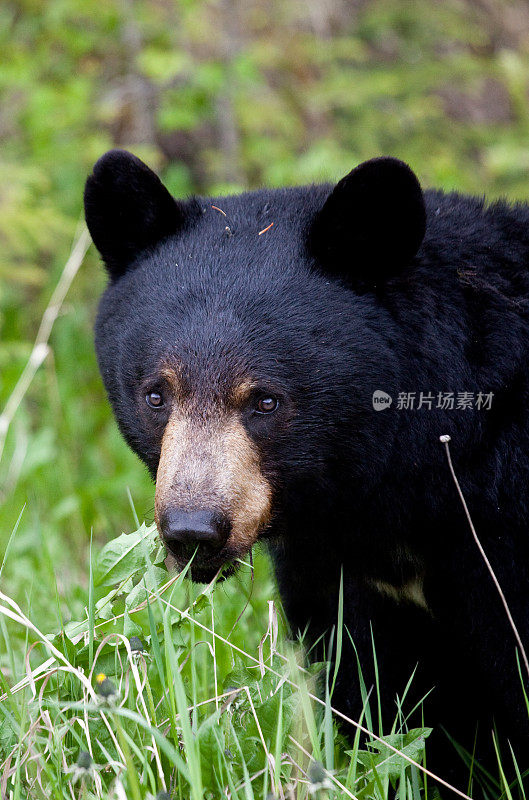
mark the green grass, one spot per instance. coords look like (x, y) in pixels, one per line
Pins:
(214, 702)
(162, 685)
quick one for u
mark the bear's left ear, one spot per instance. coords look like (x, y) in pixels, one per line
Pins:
(128, 209)
(371, 225)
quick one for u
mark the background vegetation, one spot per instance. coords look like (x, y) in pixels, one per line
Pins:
(218, 96)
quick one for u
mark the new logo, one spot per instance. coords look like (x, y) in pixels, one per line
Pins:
(381, 400)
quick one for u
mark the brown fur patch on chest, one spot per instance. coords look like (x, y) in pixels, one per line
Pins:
(411, 591)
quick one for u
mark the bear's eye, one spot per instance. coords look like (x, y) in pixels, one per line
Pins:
(266, 404)
(154, 400)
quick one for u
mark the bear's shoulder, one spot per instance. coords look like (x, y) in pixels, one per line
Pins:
(463, 229)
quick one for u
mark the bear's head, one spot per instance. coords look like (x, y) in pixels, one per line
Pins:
(240, 341)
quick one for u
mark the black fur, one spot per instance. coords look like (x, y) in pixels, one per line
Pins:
(372, 223)
(363, 491)
(128, 209)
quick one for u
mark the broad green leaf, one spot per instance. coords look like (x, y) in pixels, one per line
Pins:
(122, 557)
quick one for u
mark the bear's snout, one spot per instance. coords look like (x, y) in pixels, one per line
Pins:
(210, 490)
(185, 531)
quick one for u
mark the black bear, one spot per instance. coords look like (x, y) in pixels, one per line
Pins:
(284, 362)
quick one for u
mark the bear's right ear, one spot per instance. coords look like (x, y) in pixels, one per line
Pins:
(371, 225)
(128, 209)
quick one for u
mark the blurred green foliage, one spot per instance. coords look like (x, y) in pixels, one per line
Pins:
(218, 96)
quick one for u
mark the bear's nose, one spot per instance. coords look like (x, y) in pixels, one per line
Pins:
(184, 531)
